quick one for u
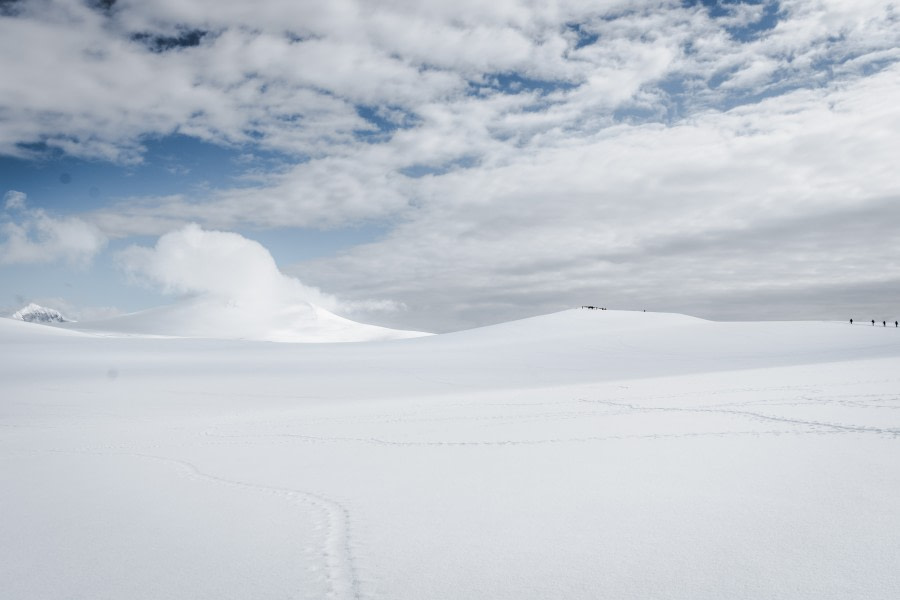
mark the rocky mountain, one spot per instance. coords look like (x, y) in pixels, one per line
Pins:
(35, 313)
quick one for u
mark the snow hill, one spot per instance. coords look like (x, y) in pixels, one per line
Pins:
(579, 455)
(220, 318)
(35, 313)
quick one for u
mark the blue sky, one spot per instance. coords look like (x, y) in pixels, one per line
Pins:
(443, 165)
(70, 184)
(173, 165)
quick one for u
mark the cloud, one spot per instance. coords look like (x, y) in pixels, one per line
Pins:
(29, 236)
(234, 289)
(282, 76)
(364, 96)
(528, 155)
(223, 265)
(790, 194)
(14, 201)
(219, 268)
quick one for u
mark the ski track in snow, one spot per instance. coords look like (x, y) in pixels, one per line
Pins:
(338, 555)
(799, 426)
(754, 415)
(482, 443)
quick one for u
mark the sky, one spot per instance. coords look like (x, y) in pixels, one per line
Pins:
(445, 164)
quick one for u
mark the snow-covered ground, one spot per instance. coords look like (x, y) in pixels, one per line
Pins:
(229, 318)
(584, 454)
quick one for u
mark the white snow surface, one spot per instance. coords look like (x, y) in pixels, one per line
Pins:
(218, 317)
(583, 454)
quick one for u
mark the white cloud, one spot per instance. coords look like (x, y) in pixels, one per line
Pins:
(793, 189)
(229, 267)
(555, 170)
(194, 261)
(34, 236)
(14, 201)
(289, 76)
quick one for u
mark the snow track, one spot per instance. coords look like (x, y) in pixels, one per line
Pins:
(336, 553)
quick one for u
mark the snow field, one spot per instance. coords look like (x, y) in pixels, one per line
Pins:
(577, 455)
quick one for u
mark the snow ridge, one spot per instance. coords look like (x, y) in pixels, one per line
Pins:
(216, 317)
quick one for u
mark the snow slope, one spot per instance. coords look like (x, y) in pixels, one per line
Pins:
(228, 318)
(584, 454)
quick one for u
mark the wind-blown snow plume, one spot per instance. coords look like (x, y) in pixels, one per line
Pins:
(220, 264)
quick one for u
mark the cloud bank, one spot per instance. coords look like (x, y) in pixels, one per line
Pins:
(783, 208)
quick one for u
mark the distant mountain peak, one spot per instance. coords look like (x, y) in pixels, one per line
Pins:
(35, 313)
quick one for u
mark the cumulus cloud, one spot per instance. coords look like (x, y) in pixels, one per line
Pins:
(218, 264)
(234, 289)
(31, 235)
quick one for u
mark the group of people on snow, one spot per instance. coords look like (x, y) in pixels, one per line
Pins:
(883, 323)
